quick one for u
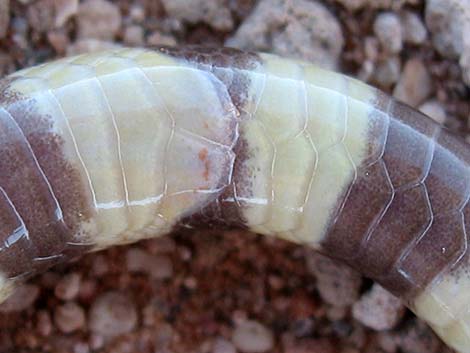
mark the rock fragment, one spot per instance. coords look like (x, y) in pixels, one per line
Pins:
(388, 29)
(300, 28)
(252, 337)
(98, 19)
(69, 317)
(415, 84)
(378, 309)
(337, 284)
(112, 314)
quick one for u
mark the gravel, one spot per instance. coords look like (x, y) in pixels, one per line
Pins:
(112, 314)
(297, 28)
(198, 291)
(378, 309)
(252, 337)
(415, 84)
(388, 29)
(69, 317)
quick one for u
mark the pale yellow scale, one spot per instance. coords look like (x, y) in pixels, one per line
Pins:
(305, 118)
(137, 122)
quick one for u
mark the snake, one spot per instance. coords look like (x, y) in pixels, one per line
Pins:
(109, 148)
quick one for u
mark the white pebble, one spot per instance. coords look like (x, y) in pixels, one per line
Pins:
(112, 314)
(378, 309)
(414, 31)
(69, 317)
(68, 287)
(387, 28)
(252, 337)
(415, 84)
(434, 110)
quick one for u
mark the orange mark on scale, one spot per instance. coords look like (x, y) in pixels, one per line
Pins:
(203, 158)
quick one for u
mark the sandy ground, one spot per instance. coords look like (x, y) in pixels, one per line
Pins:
(226, 292)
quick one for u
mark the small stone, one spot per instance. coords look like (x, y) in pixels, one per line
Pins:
(297, 28)
(417, 337)
(414, 31)
(387, 28)
(221, 345)
(447, 20)
(64, 10)
(44, 323)
(388, 71)
(81, 347)
(41, 15)
(337, 284)
(157, 38)
(353, 5)
(22, 298)
(69, 317)
(4, 17)
(68, 287)
(434, 110)
(252, 337)
(59, 40)
(134, 36)
(112, 314)
(378, 309)
(137, 13)
(311, 345)
(415, 84)
(215, 13)
(157, 266)
(449, 23)
(83, 46)
(98, 19)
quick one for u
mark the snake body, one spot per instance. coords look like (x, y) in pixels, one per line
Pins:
(110, 148)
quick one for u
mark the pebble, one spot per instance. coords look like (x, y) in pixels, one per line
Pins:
(98, 19)
(68, 287)
(388, 29)
(388, 71)
(4, 17)
(353, 5)
(447, 20)
(414, 30)
(215, 13)
(378, 309)
(82, 46)
(415, 84)
(59, 40)
(449, 23)
(337, 284)
(417, 337)
(157, 38)
(134, 36)
(22, 298)
(221, 345)
(252, 337)
(64, 10)
(44, 323)
(137, 13)
(41, 15)
(298, 28)
(69, 317)
(112, 314)
(157, 266)
(434, 110)
(310, 345)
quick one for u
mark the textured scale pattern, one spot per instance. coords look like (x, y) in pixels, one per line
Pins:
(109, 148)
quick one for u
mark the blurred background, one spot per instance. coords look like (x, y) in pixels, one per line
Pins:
(228, 292)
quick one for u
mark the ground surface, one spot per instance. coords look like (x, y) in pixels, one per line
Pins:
(226, 292)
